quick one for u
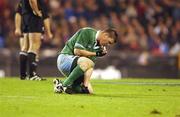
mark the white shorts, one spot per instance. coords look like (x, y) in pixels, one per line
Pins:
(64, 63)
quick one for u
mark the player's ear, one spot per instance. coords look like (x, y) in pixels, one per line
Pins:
(105, 35)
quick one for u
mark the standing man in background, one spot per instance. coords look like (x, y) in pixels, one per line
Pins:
(31, 16)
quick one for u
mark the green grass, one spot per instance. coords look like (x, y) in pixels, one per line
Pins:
(112, 98)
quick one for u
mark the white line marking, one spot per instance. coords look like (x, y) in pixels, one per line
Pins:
(140, 83)
(11, 96)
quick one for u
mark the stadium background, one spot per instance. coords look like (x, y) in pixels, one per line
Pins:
(148, 45)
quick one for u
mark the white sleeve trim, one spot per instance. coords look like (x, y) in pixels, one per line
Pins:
(79, 45)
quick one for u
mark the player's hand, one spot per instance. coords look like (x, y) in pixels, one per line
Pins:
(101, 53)
(18, 32)
(50, 35)
(38, 13)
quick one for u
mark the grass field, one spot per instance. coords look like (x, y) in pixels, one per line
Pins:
(112, 98)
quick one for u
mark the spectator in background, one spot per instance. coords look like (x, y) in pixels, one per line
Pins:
(1, 42)
(154, 22)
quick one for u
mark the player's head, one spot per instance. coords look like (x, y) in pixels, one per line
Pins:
(107, 37)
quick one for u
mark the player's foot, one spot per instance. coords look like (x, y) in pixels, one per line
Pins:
(58, 87)
(23, 78)
(37, 78)
(69, 90)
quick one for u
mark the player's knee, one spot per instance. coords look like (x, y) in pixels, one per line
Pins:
(83, 66)
(24, 48)
(34, 41)
(85, 63)
(34, 48)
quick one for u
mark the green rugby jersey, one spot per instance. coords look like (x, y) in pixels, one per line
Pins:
(84, 39)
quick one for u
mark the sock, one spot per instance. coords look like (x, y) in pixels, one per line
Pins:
(23, 64)
(32, 63)
(35, 66)
(75, 74)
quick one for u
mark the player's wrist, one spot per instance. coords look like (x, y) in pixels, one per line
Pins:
(100, 53)
(97, 53)
(17, 29)
(38, 13)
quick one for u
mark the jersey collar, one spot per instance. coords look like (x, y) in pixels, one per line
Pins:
(97, 34)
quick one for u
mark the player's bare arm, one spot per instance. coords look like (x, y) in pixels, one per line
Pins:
(18, 24)
(47, 28)
(85, 53)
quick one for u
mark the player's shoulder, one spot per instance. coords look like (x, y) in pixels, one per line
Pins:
(88, 29)
(19, 7)
(19, 4)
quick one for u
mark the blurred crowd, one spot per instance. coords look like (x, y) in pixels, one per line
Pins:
(151, 26)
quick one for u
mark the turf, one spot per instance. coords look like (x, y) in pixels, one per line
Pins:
(112, 98)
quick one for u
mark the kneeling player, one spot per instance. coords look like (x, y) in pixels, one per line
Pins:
(77, 59)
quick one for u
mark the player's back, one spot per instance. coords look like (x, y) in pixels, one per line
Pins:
(26, 8)
(79, 40)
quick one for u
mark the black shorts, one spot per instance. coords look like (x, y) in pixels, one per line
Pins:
(32, 24)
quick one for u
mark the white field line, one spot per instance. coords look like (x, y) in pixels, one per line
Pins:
(140, 83)
(11, 96)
